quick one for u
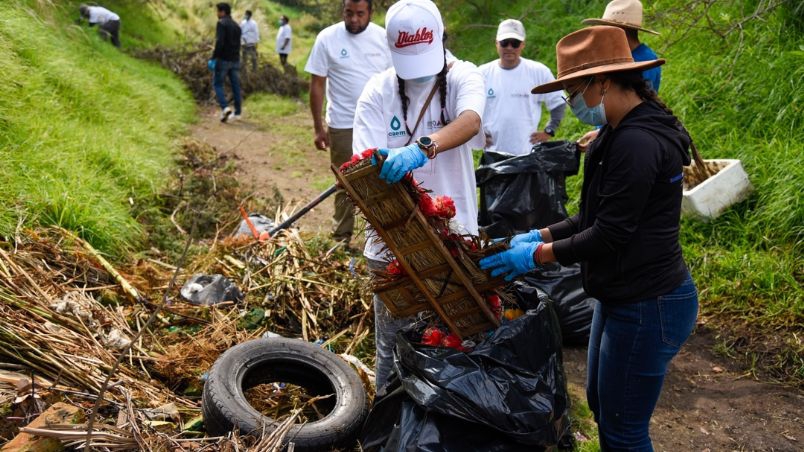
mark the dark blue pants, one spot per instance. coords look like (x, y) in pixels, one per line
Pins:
(630, 347)
(229, 69)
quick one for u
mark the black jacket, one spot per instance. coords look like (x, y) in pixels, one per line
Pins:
(626, 234)
(227, 40)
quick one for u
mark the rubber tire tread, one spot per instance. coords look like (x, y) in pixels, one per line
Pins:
(225, 408)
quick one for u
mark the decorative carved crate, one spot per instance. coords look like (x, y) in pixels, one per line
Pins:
(452, 286)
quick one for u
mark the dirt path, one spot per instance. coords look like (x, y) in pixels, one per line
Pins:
(275, 154)
(708, 404)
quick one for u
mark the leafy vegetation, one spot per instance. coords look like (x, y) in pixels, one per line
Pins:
(85, 130)
(733, 76)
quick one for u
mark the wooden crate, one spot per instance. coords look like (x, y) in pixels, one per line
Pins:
(434, 279)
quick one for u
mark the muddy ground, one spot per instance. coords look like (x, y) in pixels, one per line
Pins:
(708, 403)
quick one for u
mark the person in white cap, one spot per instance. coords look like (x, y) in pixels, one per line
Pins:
(419, 131)
(511, 119)
(627, 14)
(345, 55)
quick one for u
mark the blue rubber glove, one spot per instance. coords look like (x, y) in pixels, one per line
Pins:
(513, 262)
(400, 161)
(532, 236)
(211, 65)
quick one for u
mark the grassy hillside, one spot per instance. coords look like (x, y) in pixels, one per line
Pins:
(85, 130)
(735, 81)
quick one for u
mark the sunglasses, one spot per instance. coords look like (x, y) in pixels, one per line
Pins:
(515, 43)
(568, 99)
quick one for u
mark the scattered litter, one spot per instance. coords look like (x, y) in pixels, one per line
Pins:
(208, 290)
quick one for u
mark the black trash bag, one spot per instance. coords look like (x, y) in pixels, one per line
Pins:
(508, 394)
(564, 286)
(524, 192)
(207, 290)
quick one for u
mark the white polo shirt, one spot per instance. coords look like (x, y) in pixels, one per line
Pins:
(283, 33)
(249, 32)
(347, 61)
(512, 112)
(379, 123)
(101, 15)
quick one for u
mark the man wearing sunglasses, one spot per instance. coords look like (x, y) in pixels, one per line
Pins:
(512, 115)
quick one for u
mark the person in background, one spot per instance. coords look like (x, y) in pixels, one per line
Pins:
(108, 22)
(627, 14)
(511, 119)
(429, 138)
(626, 234)
(284, 40)
(225, 61)
(250, 37)
(344, 57)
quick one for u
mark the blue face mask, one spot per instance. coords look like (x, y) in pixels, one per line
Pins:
(424, 79)
(595, 116)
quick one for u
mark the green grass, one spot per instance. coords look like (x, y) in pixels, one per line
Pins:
(739, 94)
(85, 130)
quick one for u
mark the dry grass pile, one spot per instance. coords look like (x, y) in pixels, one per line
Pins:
(65, 317)
(191, 66)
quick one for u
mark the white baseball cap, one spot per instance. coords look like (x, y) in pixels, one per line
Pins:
(415, 31)
(511, 29)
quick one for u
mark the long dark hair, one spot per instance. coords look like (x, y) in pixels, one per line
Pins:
(441, 80)
(634, 81)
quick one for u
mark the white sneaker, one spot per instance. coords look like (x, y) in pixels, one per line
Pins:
(226, 113)
(236, 118)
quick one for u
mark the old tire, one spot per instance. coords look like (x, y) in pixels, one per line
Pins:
(225, 407)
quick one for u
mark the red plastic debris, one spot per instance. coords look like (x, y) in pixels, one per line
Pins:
(432, 336)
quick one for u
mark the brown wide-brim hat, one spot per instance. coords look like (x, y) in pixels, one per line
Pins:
(592, 51)
(622, 13)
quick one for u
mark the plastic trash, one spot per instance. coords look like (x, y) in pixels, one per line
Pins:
(508, 394)
(209, 290)
(520, 193)
(261, 224)
(564, 286)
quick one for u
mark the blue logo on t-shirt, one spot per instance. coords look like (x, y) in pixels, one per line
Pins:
(396, 124)
(344, 53)
(491, 92)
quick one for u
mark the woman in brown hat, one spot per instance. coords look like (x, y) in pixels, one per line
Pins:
(625, 235)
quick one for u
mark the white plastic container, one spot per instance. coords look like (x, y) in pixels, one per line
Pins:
(710, 198)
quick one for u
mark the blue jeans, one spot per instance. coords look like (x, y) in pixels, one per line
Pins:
(229, 69)
(630, 347)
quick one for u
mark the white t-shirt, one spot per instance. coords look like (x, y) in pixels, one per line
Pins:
(283, 33)
(378, 123)
(101, 15)
(347, 61)
(249, 32)
(512, 112)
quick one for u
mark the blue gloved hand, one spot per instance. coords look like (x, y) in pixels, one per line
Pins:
(211, 65)
(532, 236)
(400, 161)
(513, 262)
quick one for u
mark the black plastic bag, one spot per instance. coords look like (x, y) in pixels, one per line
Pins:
(564, 286)
(524, 192)
(508, 394)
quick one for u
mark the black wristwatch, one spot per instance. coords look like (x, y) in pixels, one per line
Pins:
(428, 145)
(550, 131)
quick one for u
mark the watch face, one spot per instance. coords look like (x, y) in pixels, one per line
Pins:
(425, 141)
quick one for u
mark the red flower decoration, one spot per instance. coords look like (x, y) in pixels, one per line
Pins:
(494, 303)
(441, 207)
(394, 268)
(432, 336)
(356, 158)
(445, 207)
